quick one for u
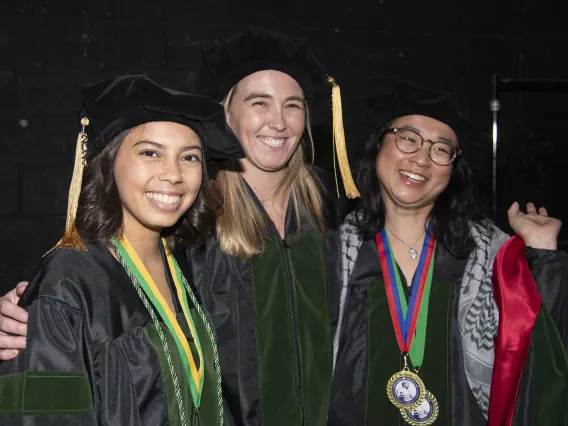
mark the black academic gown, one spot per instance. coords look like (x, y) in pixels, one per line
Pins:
(369, 352)
(94, 356)
(274, 317)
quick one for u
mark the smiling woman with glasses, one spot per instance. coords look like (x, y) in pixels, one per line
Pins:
(433, 319)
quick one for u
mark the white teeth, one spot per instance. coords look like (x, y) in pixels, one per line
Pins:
(163, 198)
(273, 142)
(413, 176)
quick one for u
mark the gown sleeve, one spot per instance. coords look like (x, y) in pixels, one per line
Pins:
(550, 271)
(347, 406)
(49, 383)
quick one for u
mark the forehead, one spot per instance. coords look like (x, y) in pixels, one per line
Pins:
(428, 127)
(163, 132)
(270, 82)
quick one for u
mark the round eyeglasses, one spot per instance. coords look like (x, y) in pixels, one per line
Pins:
(408, 141)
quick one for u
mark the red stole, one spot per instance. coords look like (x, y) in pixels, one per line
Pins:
(518, 301)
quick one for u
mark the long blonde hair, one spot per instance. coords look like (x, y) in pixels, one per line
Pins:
(241, 225)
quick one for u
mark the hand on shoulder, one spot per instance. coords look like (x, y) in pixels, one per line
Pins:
(13, 320)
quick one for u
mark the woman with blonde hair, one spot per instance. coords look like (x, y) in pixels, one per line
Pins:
(270, 280)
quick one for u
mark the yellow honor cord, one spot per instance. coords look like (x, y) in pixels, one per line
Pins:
(339, 144)
(181, 296)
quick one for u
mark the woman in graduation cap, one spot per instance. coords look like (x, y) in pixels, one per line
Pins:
(115, 334)
(270, 279)
(439, 300)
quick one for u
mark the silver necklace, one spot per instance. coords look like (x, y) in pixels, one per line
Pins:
(266, 199)
(411, 251)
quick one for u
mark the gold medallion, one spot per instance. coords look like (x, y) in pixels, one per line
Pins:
(423, 415)
(406, 390)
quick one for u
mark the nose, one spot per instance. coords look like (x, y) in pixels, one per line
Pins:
(170, 172)
(422, 156)
(277, 120)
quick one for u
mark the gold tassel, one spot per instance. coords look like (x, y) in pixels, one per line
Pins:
(71, 237)
(340, 148)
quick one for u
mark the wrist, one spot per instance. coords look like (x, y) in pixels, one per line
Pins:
(541, 243)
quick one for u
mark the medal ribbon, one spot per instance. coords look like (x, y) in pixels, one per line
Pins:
(193, 372)
(409, 320)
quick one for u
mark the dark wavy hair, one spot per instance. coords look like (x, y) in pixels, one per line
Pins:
(453, 213)
(99, 214)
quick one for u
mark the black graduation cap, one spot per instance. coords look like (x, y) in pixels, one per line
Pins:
(257, 49)
(407, 98)
(117, 104)
(124, 102)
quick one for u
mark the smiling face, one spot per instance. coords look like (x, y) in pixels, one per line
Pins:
(158, 171)
(267, 113)
(413, 181)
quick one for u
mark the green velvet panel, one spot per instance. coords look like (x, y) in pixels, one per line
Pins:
(277, 374)
(314, 324)
(292, 322)
(44, 392)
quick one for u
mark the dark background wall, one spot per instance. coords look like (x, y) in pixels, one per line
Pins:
(48, 49)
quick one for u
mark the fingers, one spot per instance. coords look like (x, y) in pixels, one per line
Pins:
(20, 287)
(8, 325)
(13, 343)
(531, 209)
(513, 210)
(9, 310)
(8, 354)
(10, 343)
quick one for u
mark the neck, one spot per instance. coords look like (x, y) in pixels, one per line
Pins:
(144, 241)
(264, 184)
(407, 224)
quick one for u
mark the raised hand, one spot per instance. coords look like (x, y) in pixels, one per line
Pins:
(13, 320)
(536, 228)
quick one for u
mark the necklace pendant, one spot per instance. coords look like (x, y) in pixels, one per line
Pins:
(413, 253)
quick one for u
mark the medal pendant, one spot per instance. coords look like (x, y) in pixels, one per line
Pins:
(406, 390)
(423, 415)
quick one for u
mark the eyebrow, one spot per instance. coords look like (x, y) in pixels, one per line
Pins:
(161, 146)
(267, 96)
(438, 139)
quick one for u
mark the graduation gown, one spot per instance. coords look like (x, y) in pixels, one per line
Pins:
(274, 317)
(369, 354)
(94, 356)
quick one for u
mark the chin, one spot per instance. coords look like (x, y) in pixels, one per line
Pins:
(273, 165)
(160, 223)
(272, 169)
